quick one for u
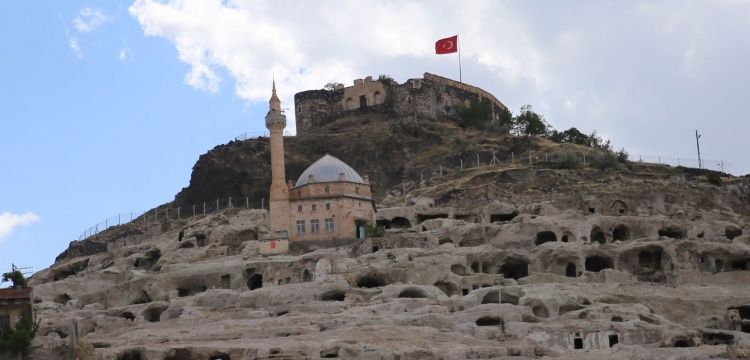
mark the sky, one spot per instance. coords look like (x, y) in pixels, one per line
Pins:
(106, 106)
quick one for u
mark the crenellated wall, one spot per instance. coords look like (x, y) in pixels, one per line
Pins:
(429, 97)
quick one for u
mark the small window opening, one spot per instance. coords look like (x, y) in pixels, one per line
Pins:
(613, 339)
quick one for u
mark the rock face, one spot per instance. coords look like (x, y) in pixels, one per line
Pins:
(492, 262)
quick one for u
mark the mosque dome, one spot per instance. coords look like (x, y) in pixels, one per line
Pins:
(328, 168)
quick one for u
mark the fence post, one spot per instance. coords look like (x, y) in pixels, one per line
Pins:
(421, 178)
(167, 214)
(477, 159)
(722, 165)
(247, 202)
(441, 171)
(131, 216)
(513, 158)
(262, 203)
(546, 157)
(462, 163)
(178, 213)
(204, 208)
(658, 160)
(217, 204)
(119, 222)
(229, 205)
(106, 223)
(640, 159)
(193, 210)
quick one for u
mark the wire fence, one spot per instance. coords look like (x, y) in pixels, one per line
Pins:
(426, 175)
(433, 175)
(258, 134)
(170, 213)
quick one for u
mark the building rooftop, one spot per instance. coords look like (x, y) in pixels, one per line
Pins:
(327, 169)
(15, 294)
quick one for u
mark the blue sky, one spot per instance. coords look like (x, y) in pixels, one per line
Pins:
(86, 138)
(105, 107)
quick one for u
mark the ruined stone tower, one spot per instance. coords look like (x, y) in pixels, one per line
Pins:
(279, 192)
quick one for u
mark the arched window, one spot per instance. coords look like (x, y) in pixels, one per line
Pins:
(377, 98)
(349, 104)
(314, 207)
(328, 206)
(328, 189)
(299, 208)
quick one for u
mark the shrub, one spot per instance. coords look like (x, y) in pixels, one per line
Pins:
(374, 230)
(385, 79)
(478, 114)
(331, 86)
(714, 179)
(605, 161)
(622, 155)
(565, 160)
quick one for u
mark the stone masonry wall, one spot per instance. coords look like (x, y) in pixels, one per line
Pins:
(429, 97)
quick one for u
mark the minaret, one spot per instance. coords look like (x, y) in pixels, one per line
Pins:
(279, 216)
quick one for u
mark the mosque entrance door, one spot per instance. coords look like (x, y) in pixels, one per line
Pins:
(359, 225)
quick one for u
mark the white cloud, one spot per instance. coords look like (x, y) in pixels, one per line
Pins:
(89, 19)
(10, 221)
(637, 70)
(124, 53)
(73, 44)
(318, 42)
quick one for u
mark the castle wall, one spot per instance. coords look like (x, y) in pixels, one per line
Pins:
(430, 97)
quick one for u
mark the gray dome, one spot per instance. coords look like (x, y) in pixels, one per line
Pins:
(329, 168)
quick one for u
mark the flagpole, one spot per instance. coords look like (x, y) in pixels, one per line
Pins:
(459, 58)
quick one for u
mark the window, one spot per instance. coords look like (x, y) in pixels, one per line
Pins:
(356, 189)
(328, 189)
(314, 208)
(328, 206)
(300, 226)
(299, 208)
(314, 226)
(329, 225)
(4, 322)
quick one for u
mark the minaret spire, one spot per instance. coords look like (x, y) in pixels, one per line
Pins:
(279, 215)
(274, 104)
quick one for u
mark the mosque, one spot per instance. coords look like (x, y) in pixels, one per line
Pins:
(329, 202)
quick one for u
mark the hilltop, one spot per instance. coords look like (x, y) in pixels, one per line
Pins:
(535, 249)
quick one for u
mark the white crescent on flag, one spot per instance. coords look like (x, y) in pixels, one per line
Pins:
(447, 45)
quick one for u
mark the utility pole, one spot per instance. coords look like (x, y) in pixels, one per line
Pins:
(698, 144)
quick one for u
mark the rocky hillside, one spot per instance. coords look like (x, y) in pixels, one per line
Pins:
(388, 149)
(499, 261)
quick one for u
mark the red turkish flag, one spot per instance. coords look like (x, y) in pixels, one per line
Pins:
(447, 45)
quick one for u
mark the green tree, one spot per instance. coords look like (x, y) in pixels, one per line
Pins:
(16, 277)
(18, 340)
(528, 122)
(570, 136)
(478, 115)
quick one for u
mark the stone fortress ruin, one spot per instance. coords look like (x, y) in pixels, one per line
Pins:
(493, 262)
(430, 97)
